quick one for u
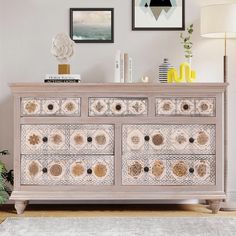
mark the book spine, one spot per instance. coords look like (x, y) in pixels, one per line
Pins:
(130, 70)
(117, 67)
(57, 76)
(61, 81)
(122, 80)
(126, 68)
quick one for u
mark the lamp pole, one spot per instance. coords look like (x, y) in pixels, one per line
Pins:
(226, 116)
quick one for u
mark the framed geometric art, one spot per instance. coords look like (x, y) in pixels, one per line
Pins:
(158, 14)
(92, 25)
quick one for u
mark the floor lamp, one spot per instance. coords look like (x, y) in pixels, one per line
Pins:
(219, 21)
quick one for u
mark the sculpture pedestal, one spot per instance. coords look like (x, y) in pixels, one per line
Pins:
(63, 69)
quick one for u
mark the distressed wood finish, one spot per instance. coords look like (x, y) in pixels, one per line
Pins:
(118, 192)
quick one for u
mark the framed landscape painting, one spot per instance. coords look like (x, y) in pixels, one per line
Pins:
(158, 14)
(92, 25)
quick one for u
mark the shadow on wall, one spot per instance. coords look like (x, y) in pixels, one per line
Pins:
(96, 74)
(6, 129)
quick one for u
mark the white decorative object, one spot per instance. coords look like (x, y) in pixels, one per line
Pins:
(123, 68)
(62, 47)
(145, 79)
(117, 67)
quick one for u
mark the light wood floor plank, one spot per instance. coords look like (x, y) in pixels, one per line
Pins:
(112, 211)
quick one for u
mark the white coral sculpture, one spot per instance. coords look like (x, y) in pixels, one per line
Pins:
(62, 47)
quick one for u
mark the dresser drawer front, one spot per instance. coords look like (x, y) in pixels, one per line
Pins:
(67, 139)
(185, 106)
(169, 139)
(50, 106)
(118, 106)
(169, 170)
(67, 170)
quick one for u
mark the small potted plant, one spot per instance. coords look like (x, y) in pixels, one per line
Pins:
(186, 73)
(6, 180)
(187, 43)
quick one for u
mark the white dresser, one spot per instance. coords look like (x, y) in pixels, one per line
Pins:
(126, 143)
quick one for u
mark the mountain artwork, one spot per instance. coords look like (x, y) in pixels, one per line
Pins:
(158, 14)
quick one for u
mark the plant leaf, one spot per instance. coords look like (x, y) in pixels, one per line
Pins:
(186, 47)
(3, 197)
(190, 31)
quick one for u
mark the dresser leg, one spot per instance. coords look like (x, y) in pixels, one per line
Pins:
(20, 206)
(215, 206)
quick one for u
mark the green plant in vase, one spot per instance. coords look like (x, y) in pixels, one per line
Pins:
(186, 74)
(6, 180)
(187, 43)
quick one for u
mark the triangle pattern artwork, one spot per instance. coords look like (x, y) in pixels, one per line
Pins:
(158, 14)
(158, 6)
(160, 3)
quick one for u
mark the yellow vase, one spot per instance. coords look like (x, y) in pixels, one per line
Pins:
(186, 74)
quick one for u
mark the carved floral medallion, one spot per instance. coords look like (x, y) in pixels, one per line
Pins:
(137, 107)
(99, 107)
(33, 169)
(31, 107)
(158, 168)
(100, 170)
(157, 140)
(180, 169)
(57, 139)
(77, 169)
(78, 139)
(202, 169)
(70, 106)
(135, 169)
(135, 140)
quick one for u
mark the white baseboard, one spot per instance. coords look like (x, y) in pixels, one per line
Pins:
(230, 203)
(231, 196)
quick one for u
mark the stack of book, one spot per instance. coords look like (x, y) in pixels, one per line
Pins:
(123, 68)
(64, 78)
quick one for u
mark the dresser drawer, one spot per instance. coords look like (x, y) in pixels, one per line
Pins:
(67, 170)
(185, 106)
(50, 107)
(169, 139)
(118, 106)
(168, 170)
(67, 139)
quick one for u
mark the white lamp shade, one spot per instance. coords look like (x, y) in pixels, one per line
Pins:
(218, 21)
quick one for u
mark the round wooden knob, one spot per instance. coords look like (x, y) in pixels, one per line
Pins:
(45, 139)
(50, 107)
(89, 171)
(45, 170)
(191, 140)
(146, 169)
(147, 138)
(118, 107)
(191, 170)
(186, 107)
(89, 139)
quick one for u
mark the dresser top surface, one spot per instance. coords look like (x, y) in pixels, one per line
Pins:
(117, 87)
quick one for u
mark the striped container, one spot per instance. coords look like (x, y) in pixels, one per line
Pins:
(163, 70)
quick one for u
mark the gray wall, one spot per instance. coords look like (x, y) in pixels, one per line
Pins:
(27, 28)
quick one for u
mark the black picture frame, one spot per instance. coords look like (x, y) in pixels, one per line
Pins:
(135, 28)
(72, 10)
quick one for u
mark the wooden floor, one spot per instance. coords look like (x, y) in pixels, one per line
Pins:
(112, 210)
